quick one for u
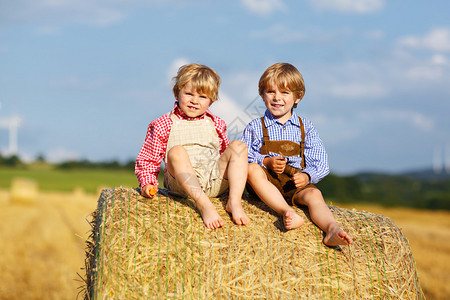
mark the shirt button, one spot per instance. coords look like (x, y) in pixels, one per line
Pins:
(284, 128)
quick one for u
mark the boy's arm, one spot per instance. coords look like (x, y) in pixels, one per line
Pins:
(149, 159)
(221, 129)
(253, 141)
(316, 158)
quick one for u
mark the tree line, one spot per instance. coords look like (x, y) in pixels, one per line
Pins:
(389, 190)
(15, 161)
(422, 189)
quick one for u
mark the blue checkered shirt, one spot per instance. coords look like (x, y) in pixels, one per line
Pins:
(316, 159)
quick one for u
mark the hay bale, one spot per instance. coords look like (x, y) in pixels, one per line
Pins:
(24, 191)
(158, 249)
(78, 193)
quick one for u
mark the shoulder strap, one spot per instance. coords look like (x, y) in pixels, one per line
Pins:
(302, 143)
(266, 137)
(264, 128)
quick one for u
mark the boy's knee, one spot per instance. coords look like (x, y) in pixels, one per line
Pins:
(239, 147)
(175, 152)
(310, 195)
(254, 170)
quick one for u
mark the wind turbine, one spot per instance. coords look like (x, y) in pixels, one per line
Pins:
(437, 160)
(12, 124)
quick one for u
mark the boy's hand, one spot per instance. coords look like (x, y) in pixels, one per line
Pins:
(300, 179)
(275, 163)
(149, 191)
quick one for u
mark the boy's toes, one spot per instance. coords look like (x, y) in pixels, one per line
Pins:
(292, 220)
(241, 220)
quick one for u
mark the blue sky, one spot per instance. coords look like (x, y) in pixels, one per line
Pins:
(86, 77)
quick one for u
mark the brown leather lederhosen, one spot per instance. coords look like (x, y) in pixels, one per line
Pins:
(283, 182)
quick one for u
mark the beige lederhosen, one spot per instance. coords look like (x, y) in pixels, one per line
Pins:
(201, 141)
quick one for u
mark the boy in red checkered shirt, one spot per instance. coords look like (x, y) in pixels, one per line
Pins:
(200, 161)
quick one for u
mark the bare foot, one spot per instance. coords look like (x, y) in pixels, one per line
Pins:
(292, 220)
(337, 237)
(237, 213)
(209, 215)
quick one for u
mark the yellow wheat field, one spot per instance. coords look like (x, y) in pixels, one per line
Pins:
(43, 245)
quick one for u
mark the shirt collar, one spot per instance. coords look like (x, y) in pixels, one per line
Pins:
(179, 113)
(270, 120)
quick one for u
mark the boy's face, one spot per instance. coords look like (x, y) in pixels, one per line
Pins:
(279, 102)
(192, 103)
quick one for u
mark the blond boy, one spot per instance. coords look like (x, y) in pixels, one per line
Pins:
(200, 161)
(286, 155)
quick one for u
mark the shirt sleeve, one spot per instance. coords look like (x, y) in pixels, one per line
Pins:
(252, 137)
(148, 162)
(221, 129)
(316, 158)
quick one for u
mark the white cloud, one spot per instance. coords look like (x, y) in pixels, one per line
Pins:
(413, 118)
(424, 72)
(263, 7)
(58, 12)
(440, 60)
(357, 90)
(232, 113)
(172, 70)
(93, 12)
(349, 6)
(437, 39)
(228, 109)
(241, 84)
(352, 80)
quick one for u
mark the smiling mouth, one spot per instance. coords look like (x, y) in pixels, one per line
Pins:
(277, 105)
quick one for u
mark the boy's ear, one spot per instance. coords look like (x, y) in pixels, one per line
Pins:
(300, 97)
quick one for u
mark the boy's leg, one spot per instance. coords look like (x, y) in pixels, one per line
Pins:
(322, 216)
(270, 195)
(233, 167)
(180, 167)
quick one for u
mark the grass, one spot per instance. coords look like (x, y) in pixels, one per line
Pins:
(51, 179)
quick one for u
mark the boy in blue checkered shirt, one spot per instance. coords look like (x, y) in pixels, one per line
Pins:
(286, 156)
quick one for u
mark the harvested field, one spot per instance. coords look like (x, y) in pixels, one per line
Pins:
(43, 245)
(41, 256)
(161, 249)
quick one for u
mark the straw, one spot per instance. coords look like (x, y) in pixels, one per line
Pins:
(159, 248)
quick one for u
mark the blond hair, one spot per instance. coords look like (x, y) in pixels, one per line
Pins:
(203, 79)
(283, 76)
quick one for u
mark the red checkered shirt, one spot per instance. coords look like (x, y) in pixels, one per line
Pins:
(153, 150)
